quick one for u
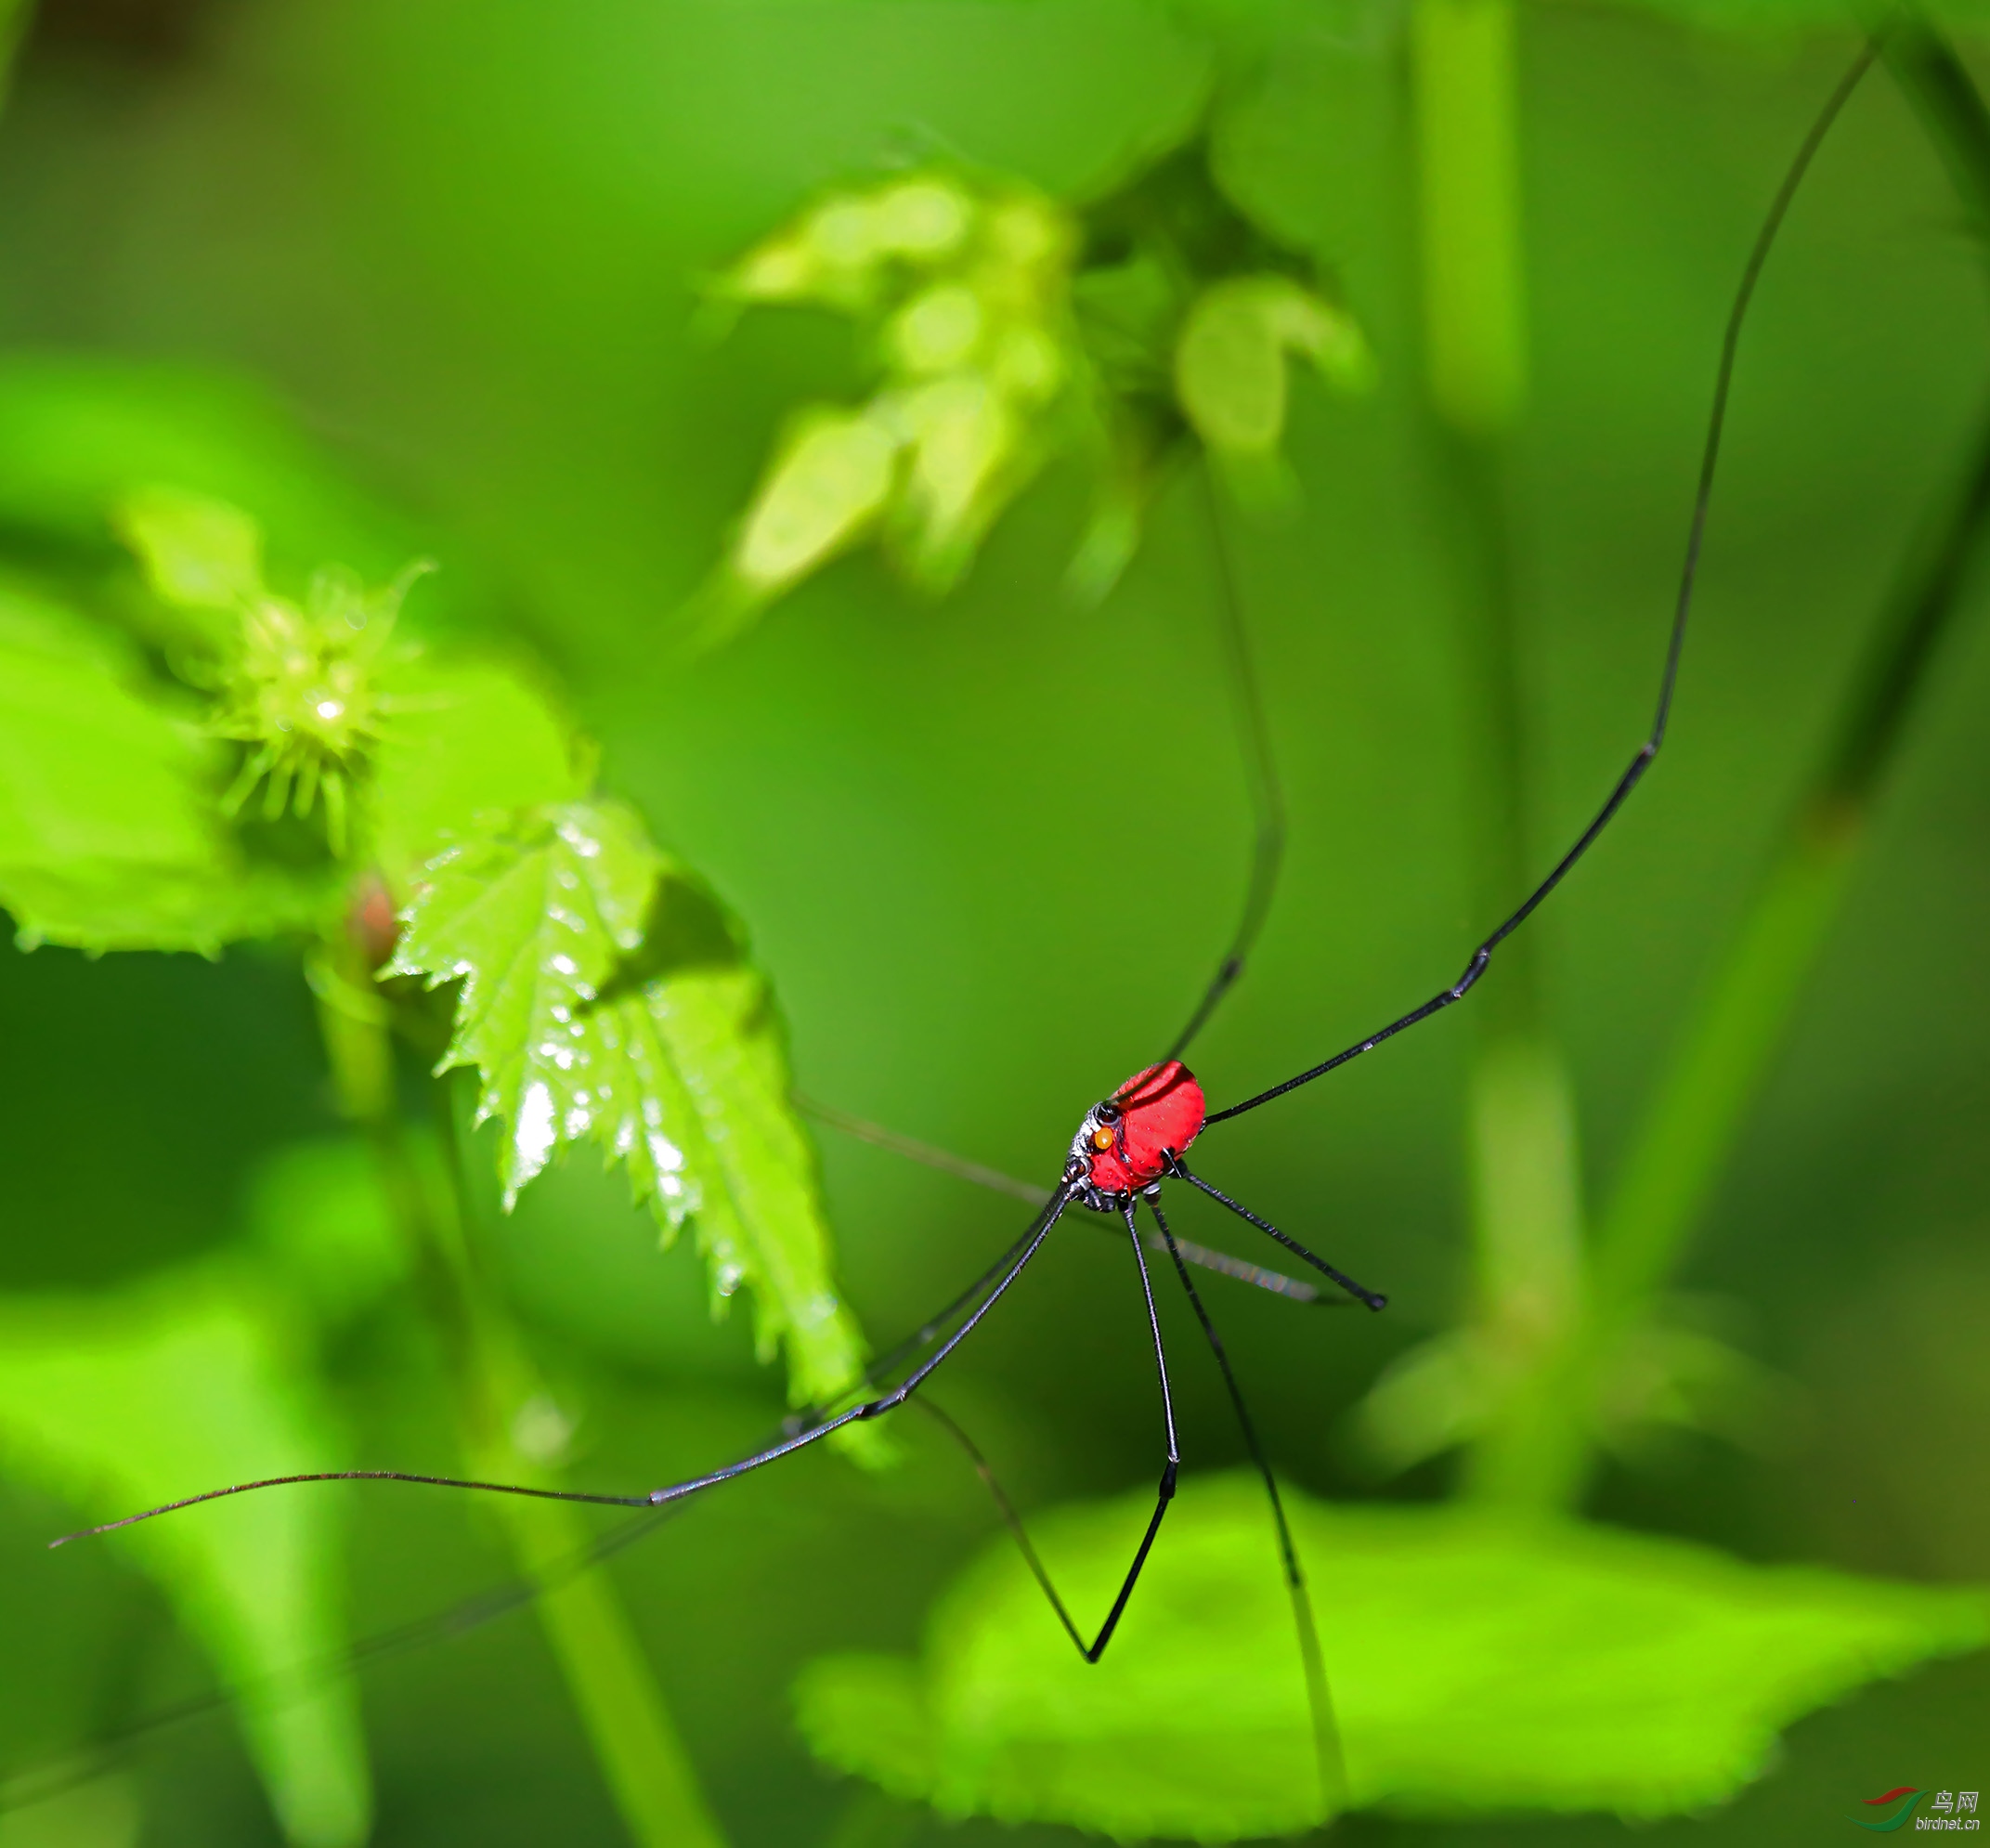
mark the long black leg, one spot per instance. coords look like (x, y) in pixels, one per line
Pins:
(1029, 1246)
(1097, 1647)
(913, 1150)
(1320, 1701)
(1260, 772)
(945, 1161)
(1010, 1519)
(1274, 1282)
(1166, 1492)
(1178, 1167)
(1641, 761)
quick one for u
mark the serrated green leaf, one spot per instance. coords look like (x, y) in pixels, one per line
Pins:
(532, 916)
(463, 738)
(1476, 1667)
(109, 836)
(606, 998)
(119, 1403)
(104, 905)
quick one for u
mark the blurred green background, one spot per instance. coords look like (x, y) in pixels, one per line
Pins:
(989, 848)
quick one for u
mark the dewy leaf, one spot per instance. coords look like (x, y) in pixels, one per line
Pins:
(1474, 1667)
(606, 998)
(119, 1403)
(532, 916)
(109, 837)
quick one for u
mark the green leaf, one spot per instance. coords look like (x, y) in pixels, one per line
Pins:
(78, 434)
(119, 905)
(1476, 1668)
(827, 482)
(606, 998)
(198, 554)
(119, 1403)
(1229, 362)
(967, 293)
(91, 767)
(464, 737)
(533, 914)
(841, 253)
(109, 835)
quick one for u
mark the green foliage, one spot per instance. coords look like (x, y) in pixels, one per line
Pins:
(469, 735)
(1003, 327)
(964, 287)
(1229, 364)
(120, 1401)
(80, 434)
(308, 689)
(606, 998)
(1476, 1666)
(199, 555)
(488, 298)
(109, 836)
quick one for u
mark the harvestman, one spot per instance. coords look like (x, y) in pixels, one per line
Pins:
(1131, 1143)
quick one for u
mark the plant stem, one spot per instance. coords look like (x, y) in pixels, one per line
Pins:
(642, 1758)
(1697, 1112)
(1468, 168)
(1521, 1147)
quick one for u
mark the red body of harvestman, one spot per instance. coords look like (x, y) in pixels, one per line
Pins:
(1129, 1143)
(1134, 1136)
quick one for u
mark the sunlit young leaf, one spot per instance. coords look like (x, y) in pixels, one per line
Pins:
(465, 737)
(1004, 328)
(532, 916)
(966, 289)
(1476, 1667)
(119, 1403)
(606, 998)
(109, 834)
(80, 433)
(197, 553)
(307, 689)
(828, 480)
(843, 252)
(1229, 362)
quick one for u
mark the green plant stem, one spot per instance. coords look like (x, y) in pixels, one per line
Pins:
(1695, 1115)
(1521, 1146)
(1468, 170)
(643, 1758)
